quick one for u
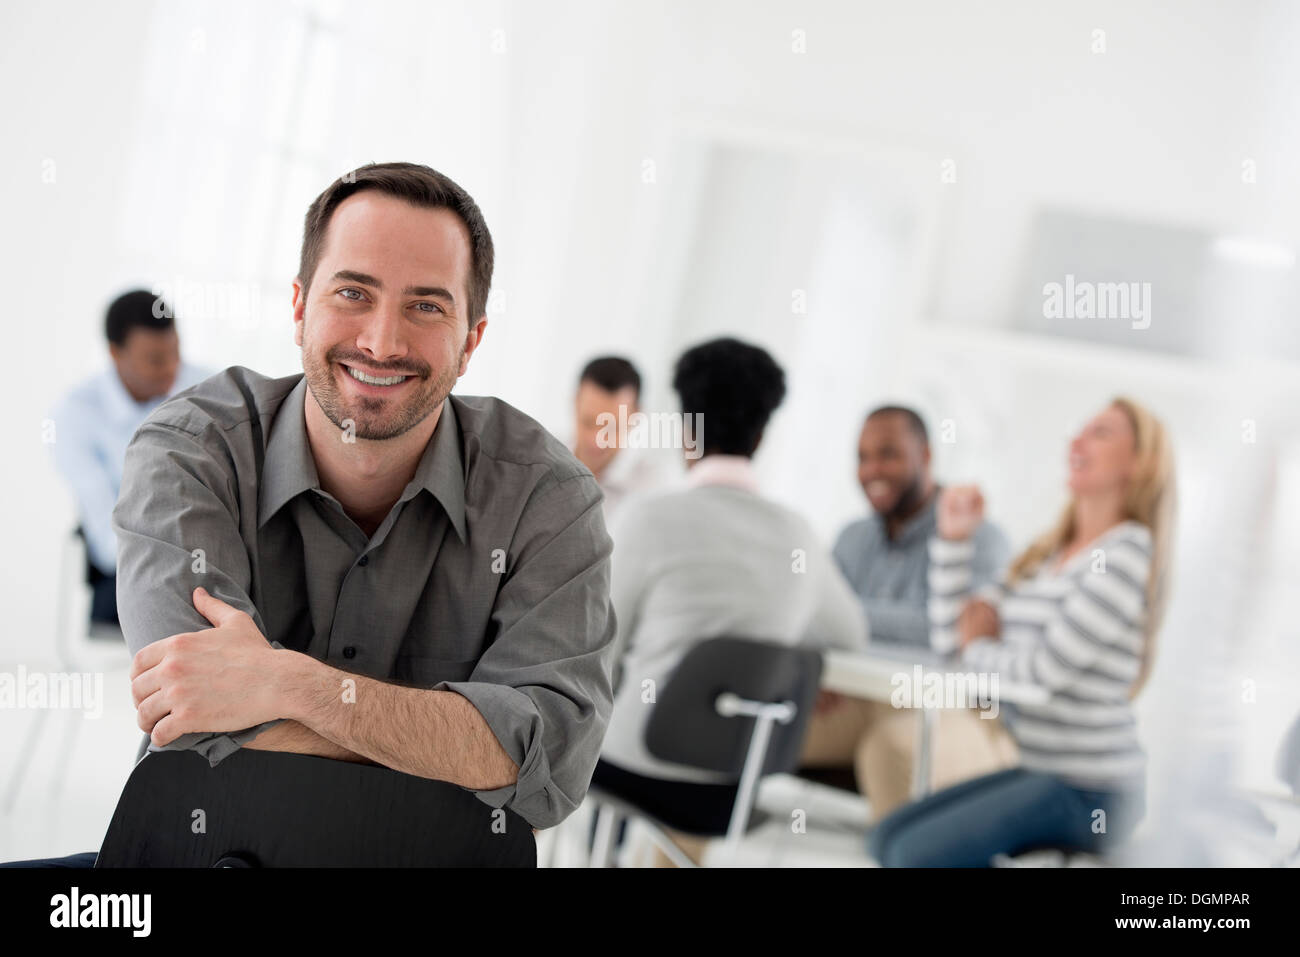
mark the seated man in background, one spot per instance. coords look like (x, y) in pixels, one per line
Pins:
(885, 558)
(95, 421)
(355, 564)
(712, 559)
(609, 391)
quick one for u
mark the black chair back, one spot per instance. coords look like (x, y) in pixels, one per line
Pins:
(686, 728)
(277, 809)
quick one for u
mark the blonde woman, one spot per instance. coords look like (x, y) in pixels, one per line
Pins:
(1077, 615)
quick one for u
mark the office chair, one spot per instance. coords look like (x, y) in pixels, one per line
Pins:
(278, 809)
(733, 705)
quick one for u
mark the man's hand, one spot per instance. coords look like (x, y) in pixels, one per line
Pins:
(978, 619)
(959, 512)
(218, 679)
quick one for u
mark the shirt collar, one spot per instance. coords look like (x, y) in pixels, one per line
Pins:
(290, 469)
(735, 471)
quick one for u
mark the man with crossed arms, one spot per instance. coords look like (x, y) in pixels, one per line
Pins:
(284, 540)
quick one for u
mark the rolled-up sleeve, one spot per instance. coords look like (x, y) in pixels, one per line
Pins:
(177, 528)
(543, 684)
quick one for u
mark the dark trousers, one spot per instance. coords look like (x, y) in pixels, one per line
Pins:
(703, 809)
(103, 602)
(72, 860)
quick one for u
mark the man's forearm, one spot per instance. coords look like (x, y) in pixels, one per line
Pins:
(431, 734)
(293, 736)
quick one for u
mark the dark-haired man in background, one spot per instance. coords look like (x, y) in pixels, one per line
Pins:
(95, 421)
(885, 555)
(609, 390)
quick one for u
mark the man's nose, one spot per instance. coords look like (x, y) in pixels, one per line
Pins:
(382, 335)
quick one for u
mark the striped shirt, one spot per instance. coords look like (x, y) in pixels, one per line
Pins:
(1077, 631)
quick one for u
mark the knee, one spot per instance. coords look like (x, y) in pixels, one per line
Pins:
(891, 737)
(891, 845)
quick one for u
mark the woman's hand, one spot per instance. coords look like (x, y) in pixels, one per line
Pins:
(978, 619)
(959, 512)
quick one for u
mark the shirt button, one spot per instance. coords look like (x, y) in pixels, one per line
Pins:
(363, 560)
(349, 652)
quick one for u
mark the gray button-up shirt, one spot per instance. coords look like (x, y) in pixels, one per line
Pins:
(891, 576)
(489, 577)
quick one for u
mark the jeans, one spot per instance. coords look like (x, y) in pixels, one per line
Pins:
(1008, 812)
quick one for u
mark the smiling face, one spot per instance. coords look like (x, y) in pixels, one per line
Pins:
(383, 324)
(1103, 454)
(893, 465)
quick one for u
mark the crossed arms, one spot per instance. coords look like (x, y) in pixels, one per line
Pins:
(228, 678)
(523, 731)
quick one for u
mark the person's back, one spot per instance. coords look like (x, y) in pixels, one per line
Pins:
(714, 559)
(711, 560)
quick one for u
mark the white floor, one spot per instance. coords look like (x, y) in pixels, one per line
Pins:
(65, 799)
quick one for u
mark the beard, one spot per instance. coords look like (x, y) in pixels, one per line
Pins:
(908, 500)
(375, 417)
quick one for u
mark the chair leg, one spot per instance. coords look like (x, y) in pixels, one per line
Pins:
(25, 755)
(602, 851)
(548, 842)
(70, 733)
(669, 847)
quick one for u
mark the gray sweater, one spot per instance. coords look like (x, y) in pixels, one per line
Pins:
(708, 561)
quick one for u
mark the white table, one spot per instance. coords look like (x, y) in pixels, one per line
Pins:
(874, 675)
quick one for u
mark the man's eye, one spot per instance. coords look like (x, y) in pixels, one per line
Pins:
(433, 307)
(345, 294)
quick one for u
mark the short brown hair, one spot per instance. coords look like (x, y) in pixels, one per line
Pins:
(419, 186)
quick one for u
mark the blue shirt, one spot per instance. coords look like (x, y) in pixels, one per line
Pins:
(890, 577)
(93, 424)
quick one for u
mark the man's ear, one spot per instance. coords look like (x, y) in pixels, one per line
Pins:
(472, 341)
(299, 311)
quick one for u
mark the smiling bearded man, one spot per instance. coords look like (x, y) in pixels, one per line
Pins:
(358, 522)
